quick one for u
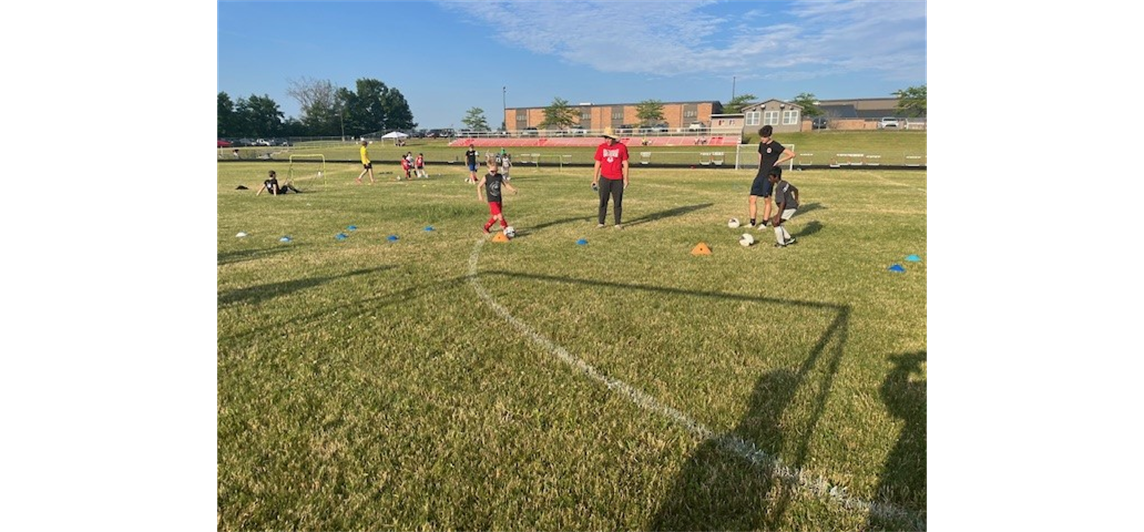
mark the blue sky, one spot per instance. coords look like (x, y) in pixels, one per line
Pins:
(449, 56)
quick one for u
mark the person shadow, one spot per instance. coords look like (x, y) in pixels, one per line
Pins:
(719, 489)
(903, 480)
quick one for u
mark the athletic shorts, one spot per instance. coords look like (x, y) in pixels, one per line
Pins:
(472, 167)
(367, 166)
(494, 208)
(762, 186)
(787, 214)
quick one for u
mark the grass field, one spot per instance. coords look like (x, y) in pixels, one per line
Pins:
(442, 381)
(890, 147)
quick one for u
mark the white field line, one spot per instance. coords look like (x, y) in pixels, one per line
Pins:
(895, 183)
(729, 442)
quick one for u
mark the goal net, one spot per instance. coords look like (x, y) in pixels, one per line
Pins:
(310, 168)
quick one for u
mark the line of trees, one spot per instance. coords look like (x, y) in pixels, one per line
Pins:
(326, 111)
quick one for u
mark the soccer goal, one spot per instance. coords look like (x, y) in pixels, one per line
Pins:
(305, 162)
(747, 156)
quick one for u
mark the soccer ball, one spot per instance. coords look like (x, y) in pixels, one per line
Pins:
(733, 223)
(510, 232)
(746, 240)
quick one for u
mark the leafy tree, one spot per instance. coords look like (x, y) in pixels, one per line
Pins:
(259, 116)
(649, 111)
(475, 119)
(319, 104)
(227, 119)
(374, 107)
(808, 103)
(397, 110)
(558, 114)
(912, 101)
(737, 103)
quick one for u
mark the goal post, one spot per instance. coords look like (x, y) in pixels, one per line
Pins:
(319, 172)
(747, 156)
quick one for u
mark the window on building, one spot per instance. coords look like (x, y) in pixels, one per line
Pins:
(617, 115)
(790, 117)
(770, 118)
(752, 118)
(690, 114)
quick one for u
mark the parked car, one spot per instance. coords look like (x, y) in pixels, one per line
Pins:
(888, 122)
(697, 126)
(626, 129)
(529, 132)
(654, 128)
(818, 122)
(224, 143)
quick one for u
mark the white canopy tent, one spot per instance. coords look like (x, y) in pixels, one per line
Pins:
(395, 135)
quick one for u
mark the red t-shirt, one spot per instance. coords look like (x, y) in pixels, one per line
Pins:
(612, 159)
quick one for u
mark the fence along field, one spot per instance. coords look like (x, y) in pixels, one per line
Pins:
(443, 381)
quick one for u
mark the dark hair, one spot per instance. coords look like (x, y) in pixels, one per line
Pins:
(776, 171)
(272, 174)
(766, 131)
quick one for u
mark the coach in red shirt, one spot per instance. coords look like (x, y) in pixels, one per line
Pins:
(612, 165)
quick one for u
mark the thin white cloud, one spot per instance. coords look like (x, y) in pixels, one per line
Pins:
(795, 40)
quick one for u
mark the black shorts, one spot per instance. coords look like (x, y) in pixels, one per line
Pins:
(367, 166)
(762, 186)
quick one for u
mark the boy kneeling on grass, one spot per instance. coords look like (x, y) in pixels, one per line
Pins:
(786, 199)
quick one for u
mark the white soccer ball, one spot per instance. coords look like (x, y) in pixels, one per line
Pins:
(746, 240)
(733, 223)
(510, 232)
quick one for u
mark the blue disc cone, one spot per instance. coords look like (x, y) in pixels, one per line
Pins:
(351, 228)
(428, 227)
(340, 236)
(897, 268)
(914, 258)
(284, 239)
(392, 238)
(581, 242)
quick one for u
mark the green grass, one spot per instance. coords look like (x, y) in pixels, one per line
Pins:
(892, 146)
(366, 384)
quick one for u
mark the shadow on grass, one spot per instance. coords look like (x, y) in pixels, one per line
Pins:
(363, 308)
(725, 480)
(232, 257)
(810, 228)
(746, 478)
(803, 209)
(715, 491)
(903, 480)
(259, 293)
(560, 222)
(678, 211)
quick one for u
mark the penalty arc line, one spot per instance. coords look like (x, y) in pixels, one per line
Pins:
(729, 442)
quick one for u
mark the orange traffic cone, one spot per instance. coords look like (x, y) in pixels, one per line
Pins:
(701, 249)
